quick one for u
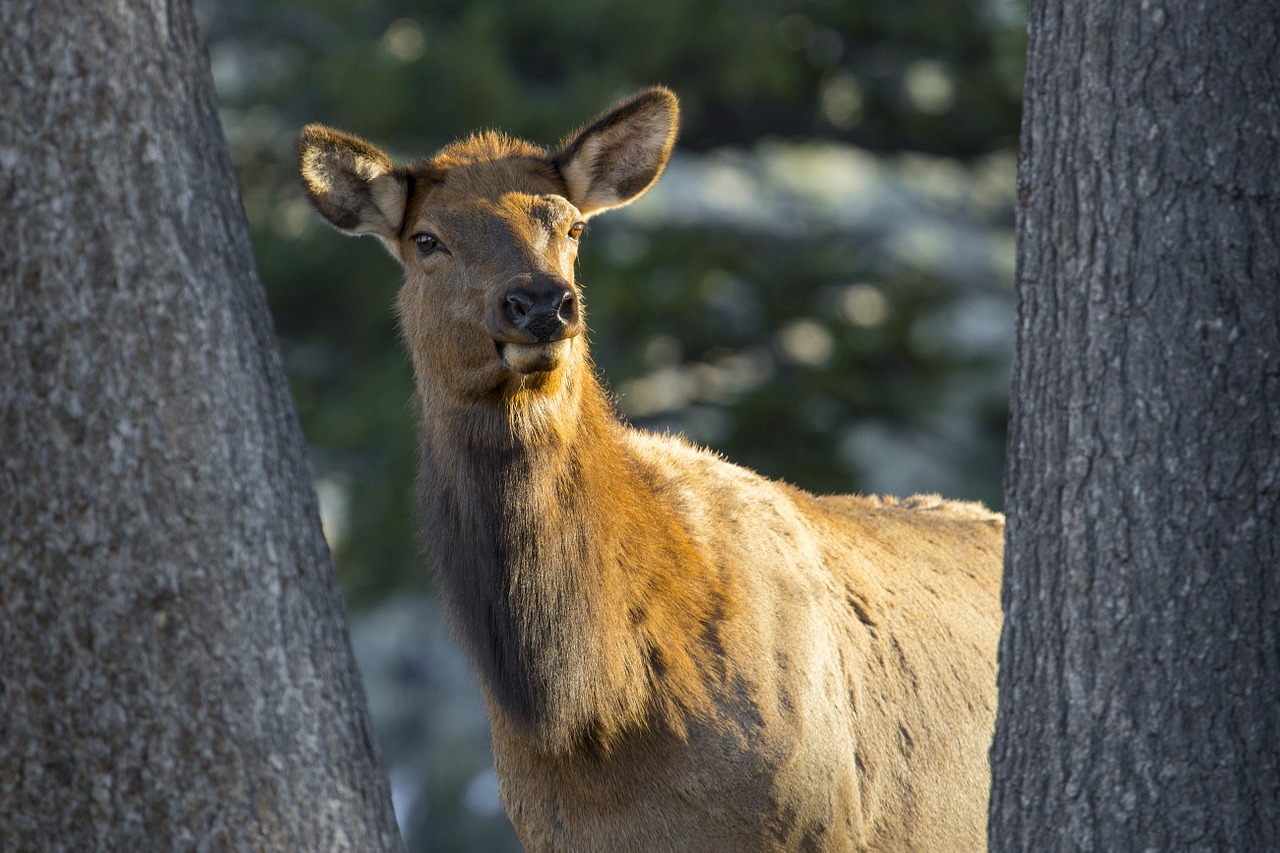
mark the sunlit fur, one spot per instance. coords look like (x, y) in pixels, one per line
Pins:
(676, 653)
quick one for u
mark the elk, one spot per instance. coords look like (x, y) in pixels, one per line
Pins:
(675, 653)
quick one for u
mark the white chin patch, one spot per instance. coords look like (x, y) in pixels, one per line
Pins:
(535, 358)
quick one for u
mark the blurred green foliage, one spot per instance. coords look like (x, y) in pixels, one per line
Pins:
(750, 325)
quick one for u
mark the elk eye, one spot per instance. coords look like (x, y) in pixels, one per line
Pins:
(425, 243)
(575, 230)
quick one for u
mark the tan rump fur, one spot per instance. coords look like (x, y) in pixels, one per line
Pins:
(676, 653)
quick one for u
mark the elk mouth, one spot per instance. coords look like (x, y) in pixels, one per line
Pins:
(540, 357)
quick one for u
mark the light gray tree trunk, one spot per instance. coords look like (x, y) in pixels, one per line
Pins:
(175, 671)
(1140, 663)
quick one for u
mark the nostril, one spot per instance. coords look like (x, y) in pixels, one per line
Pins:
(567, 308)
(518, 306)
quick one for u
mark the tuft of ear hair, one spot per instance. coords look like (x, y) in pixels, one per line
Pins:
(352, 183)
(621, 153)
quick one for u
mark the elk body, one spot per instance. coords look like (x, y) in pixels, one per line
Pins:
(675, 653)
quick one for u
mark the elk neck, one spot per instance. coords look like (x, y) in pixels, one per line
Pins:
(572, 582)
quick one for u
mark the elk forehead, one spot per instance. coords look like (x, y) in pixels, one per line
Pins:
(487, 170)
(513, 217)
(549, 211)
(490, 198)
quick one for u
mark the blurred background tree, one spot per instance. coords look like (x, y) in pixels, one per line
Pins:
(820, 287)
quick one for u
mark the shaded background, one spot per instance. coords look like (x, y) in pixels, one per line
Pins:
(820, 287)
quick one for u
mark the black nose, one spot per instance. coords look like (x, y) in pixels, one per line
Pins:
(545, 314)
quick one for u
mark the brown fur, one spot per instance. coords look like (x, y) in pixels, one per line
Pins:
(676, 653)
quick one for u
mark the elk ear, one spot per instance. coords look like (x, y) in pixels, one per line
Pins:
(614, 159)
(351, 183)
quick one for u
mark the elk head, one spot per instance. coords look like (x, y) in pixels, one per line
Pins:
(487, 231)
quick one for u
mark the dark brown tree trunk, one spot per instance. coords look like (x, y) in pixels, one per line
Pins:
(175, 671)
(1140, 662)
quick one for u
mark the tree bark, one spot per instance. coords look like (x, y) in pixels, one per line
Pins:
(1140, 661)
(175, 671)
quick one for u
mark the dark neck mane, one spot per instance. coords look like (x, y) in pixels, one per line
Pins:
(551, 542)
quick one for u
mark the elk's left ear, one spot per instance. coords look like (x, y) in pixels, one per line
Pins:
(613, 160)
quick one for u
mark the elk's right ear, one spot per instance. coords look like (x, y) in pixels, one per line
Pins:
(351, 183)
